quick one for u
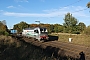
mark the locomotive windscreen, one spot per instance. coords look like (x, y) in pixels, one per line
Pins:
(43, 30)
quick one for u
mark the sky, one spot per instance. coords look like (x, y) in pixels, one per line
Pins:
(45, 11)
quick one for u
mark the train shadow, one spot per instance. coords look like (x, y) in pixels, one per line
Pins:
(56, 52)
(60, 54)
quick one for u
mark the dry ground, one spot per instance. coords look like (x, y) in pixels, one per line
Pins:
(81, 39)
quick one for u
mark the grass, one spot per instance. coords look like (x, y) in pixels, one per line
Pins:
(12, 49)
(81, 39)
(8, 40)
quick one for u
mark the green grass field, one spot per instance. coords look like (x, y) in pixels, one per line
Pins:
(81, 39)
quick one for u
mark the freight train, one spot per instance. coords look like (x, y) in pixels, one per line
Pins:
(39, 33)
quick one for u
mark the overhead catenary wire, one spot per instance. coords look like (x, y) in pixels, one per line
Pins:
(75, 11)
(72, 3)
(80, 10)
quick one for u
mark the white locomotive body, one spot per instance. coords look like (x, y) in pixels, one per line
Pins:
(38, 33)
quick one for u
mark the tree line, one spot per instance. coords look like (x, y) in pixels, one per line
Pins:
(70, 25)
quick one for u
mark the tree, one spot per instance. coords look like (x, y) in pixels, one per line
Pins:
(81, 27)
(58, 28)
(20, 26)
(3, 28)
(34, 25)
(51, 28)
(70, 23)
(88, 4)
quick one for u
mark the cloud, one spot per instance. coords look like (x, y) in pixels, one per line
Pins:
(77, 11)
(74, 10)
(1, 10)
(21, 0)
(19, 5)
(26, 14)
(42, 0)
(11, 6)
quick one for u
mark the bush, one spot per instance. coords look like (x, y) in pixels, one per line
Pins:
(4, 33)
(76, 32)
(1, 32)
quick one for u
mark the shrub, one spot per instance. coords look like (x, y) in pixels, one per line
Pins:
(4, 33)
(76, 32)
(1, 32)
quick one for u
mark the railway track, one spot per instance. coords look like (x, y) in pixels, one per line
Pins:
(60, 48)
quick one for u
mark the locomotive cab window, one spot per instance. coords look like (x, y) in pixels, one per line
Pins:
(36, 31)
(43, 30)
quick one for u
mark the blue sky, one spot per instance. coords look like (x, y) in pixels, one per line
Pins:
(45, 11)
